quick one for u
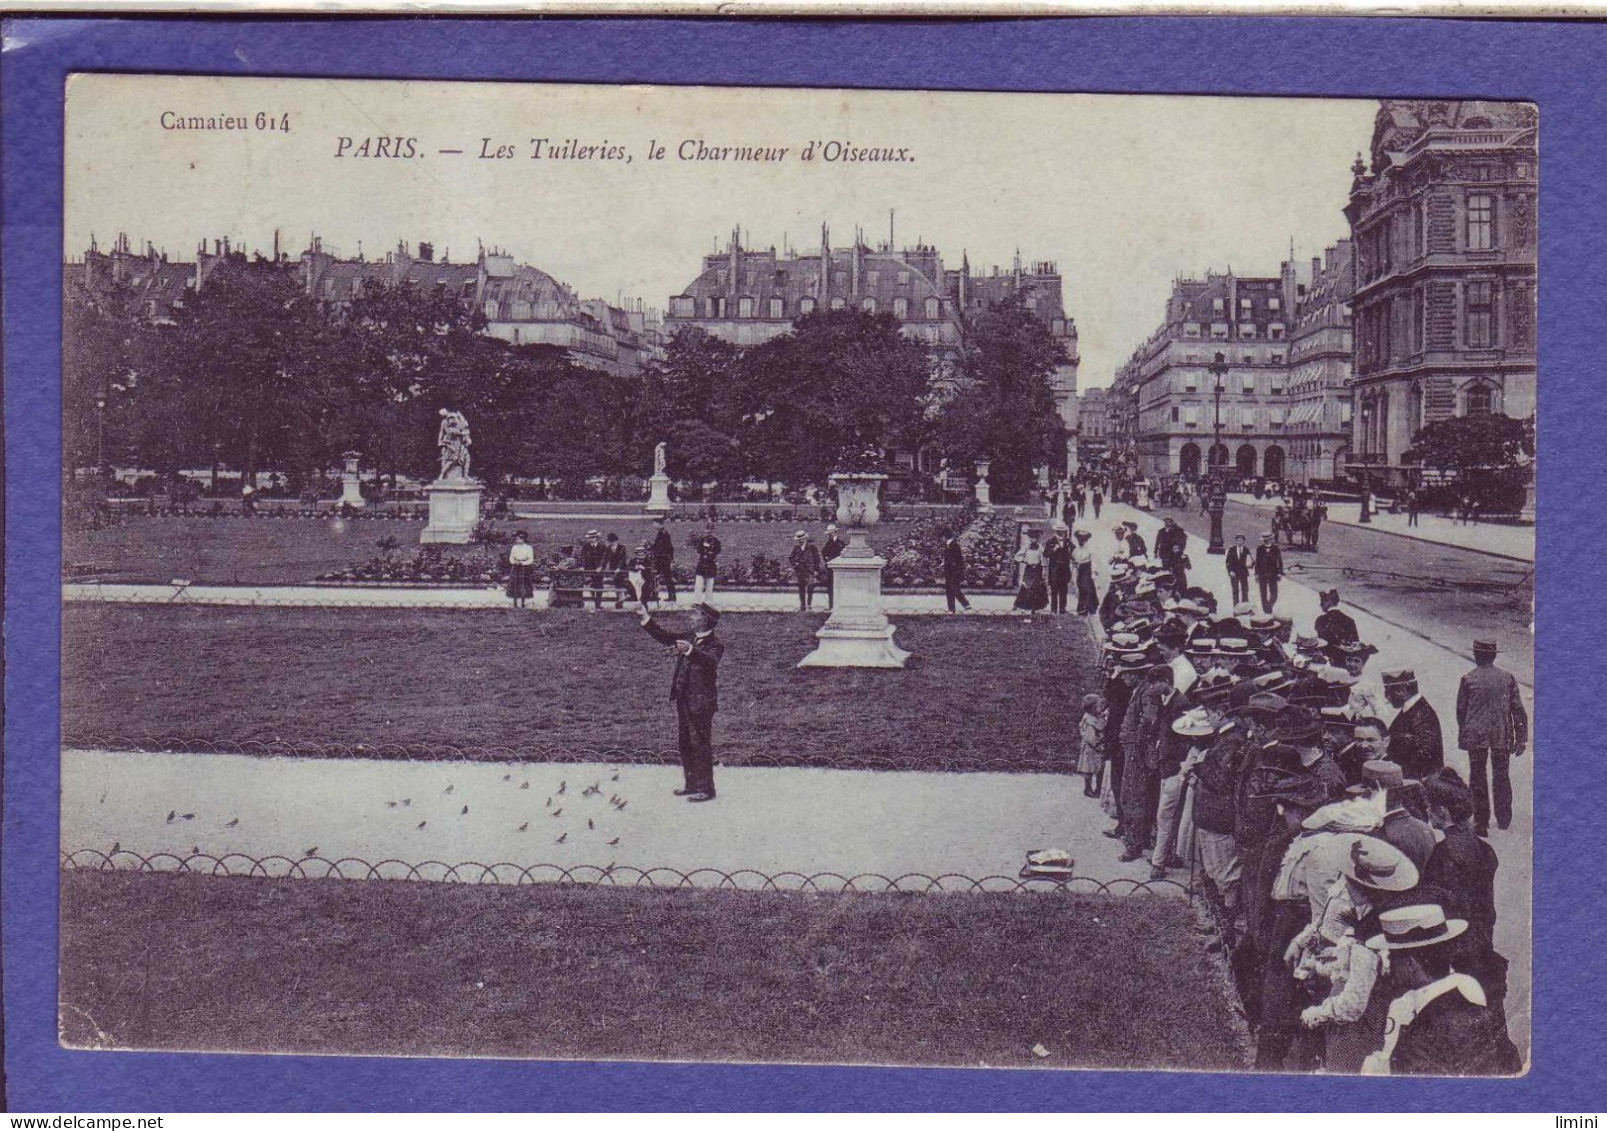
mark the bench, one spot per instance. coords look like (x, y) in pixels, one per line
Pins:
(574, 588)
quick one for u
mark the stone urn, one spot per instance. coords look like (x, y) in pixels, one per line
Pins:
(858, 633)
(984, 496)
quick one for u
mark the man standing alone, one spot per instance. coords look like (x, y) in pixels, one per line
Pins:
(953, 571)
(708, 563)
(663, 551)
(1239, 570)
(1492, 727)
(806, 568)
(694, 689)
(1268, 570)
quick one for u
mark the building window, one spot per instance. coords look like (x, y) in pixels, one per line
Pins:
(868, 305)
(1246, 329)
(903, 278)
(1191, 329)
(1191, 416)
(1190, 382)
(901, 308)
(1479, 321)
(1219, 330)
(1175, 414)
(1481, 222)
(839, 278)
(837, 303)
(933, 308)
(1419, 319)
(1249, 384)
(1277, 359)
(1244, 304)
(1275, 331)
(491, 309)
(778, 307)
(1420, 228)
(1480, 400)
(1216, 306)
(744, 307)
(806, 306)
(711, 308)
(1274, 303)
(874, 276)
(1247, 417)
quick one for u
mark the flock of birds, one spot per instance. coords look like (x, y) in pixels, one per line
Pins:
(578, 804)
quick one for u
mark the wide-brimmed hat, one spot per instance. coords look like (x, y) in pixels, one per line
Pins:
(1377, 864)
(800, 534)
(1296, 723)
(1421, 924)
(1262, 703)
(1336, 677)
(1136, 623)
(1307, 643)
(1356, 648)
(1265, 622)
(1127, 662)
(1234, 647)
(1127, 642)
(1144, 586)
(1193, 724)
(831, 528)
(1244, 609)
(1201, 646)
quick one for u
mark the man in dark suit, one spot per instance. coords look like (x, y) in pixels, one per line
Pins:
(1268, 570)
(953, 571)
(663, 551)
(1057, 562)
(1170, 547)
(1415, 741)
(694, 689)
(1239, 569)
(614, 562)
(834, 546)
(594, 560)
(1334, 625)
(1136, 547)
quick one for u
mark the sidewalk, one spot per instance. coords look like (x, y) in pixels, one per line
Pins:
(485, 597)
(1498, 539)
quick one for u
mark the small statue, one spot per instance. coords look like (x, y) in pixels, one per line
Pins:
(453, 438)
(659, 457)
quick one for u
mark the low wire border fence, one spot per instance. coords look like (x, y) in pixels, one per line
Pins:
(1051, 762)
(593, 875)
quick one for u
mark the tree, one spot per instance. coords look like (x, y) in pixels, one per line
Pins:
(1004, 407)
(842, 382)
(1490, 455)
(690, 399)
(106, 350)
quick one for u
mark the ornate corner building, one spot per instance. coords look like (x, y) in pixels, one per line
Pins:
(747, 296)
(1444, 310)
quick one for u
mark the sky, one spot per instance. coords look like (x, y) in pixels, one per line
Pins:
(1124, 193)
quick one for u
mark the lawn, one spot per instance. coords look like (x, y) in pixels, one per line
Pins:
(293, 551)
(396, 968)
(980, 694)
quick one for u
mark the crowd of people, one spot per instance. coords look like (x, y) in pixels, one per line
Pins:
(1346, 863)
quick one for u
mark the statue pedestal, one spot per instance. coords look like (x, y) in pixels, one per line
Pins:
(984, 497)
(351, 494)
(857, 634)
(454, 511)
(658, 494)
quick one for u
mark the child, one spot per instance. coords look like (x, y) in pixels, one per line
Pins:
(1091, 755)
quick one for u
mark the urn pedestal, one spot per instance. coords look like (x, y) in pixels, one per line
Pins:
(858, 633)
(984, 494)
(658, 494)
(454, 511)
(351, 493)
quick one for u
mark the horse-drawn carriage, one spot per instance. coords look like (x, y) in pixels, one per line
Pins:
(1299, 525)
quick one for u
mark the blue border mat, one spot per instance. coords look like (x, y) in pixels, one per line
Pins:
(1555, 64)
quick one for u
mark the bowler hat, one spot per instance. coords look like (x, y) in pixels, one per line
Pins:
(709, 611)
(1399, 677)
(1296, 723)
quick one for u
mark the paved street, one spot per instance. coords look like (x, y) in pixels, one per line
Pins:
(1447, 594)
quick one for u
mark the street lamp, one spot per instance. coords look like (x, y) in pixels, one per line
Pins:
(100, 438)
(1218, 485)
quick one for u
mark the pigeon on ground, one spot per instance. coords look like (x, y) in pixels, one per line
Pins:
(563, 785)
(232, 823)
(449, 789)
(507, 777)
(390, 805)
(189, 816)
(525, 785)
(524, 826)
(557, 812)
(171, 813)
(590, 824)
(407, 801)
(549, 803)
(615, 777)
(421, 824)
(313, 851)
(465, 810)
(195, 850)
(117, 846)
(613, 842)
(561, 838)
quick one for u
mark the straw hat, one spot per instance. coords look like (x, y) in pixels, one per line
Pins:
(1422, 924)
(1377, 864)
